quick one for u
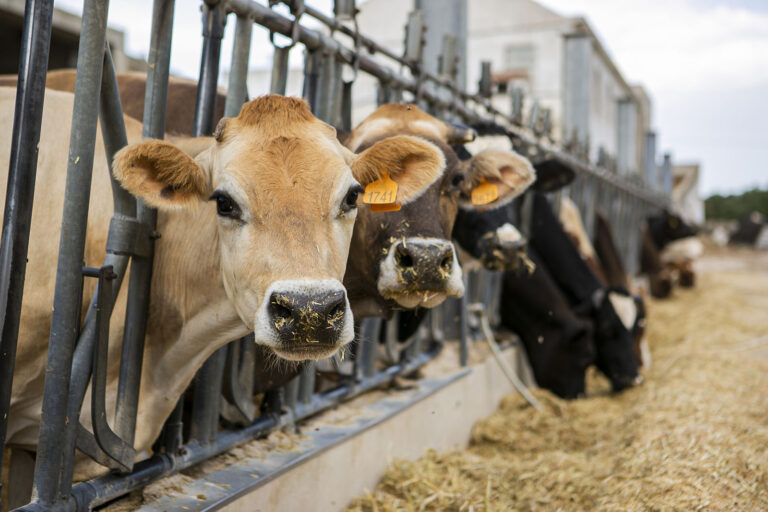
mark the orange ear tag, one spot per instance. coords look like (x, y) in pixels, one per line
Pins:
(381, 194)
(484, 193)
(381, 208)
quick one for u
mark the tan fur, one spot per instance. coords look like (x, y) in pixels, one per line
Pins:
(510, 172)
(161, 174)
(397, 119)
(404, 157)
(209, 274)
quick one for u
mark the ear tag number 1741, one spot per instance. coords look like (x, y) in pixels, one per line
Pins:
(484, 193)
(381, 194)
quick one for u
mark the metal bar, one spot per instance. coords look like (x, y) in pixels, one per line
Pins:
(279, 78)
(316, 41)
(307, 383)
(65, 322)
(207, 397)
(214, 18)
(369, 338)
(238, 76)
(22, 170)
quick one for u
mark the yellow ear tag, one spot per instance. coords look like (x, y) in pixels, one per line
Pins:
(484, 193)
(381, 191)
(381, 194)
(381, 208)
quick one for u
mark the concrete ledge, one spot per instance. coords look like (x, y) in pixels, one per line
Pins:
(332, 464)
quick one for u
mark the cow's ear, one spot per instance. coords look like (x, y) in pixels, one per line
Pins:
(412, 162)
(510, 173)
(161, 175)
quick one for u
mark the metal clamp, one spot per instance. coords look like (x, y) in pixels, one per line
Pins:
(128, 236)
(297, 10)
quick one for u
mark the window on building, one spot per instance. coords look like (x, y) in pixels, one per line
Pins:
(519, 57)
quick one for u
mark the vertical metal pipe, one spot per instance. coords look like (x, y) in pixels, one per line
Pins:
(214, 18)
(207, 397)
(207, 386)
(464, 326)
(27, 120)
(369, 337)
(238, 76)
(114, 137)
(65, 321)
(327, 88)
(307, 383)
(155, 101)
(312, 63)
(279, 79)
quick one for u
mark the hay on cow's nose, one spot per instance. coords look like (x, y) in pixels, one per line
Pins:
(693, 437)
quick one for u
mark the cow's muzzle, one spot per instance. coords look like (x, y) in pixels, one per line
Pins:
(502, 255)
(302, 320)
(420, 272)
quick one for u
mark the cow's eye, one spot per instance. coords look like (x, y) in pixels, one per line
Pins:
(225, 205)
(350, 200)
(457, 180)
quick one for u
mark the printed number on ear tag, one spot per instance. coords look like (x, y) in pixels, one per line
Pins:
(381, 191)
(381, 208)
(484, 193)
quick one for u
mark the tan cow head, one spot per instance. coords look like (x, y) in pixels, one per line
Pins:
(405, 259)
(285, 192)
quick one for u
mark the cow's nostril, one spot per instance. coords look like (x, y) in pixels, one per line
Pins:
(403, 257)
(447, 262)
(337, 311)
(280, 311)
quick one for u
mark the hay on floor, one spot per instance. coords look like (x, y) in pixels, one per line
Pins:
(693, 437)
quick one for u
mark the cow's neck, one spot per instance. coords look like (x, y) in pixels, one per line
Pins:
(190, 315)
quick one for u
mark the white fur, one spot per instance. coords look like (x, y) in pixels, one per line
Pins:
(389, 285)
(683, 250)
(625, 308)
(508, 233)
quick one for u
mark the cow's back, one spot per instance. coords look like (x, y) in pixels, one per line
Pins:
(44, 238)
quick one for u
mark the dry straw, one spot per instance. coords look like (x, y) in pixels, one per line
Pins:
(693, 437)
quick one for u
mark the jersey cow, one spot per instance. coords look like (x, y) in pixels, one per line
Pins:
(405, 259)
(255, 229)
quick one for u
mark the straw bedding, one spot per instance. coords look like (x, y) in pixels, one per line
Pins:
(693, 437)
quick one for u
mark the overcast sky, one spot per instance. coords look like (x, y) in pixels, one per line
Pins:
(704, 62)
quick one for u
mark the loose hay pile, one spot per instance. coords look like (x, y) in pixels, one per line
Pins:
(694, 437)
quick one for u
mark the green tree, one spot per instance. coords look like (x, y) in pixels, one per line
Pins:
(733, 207)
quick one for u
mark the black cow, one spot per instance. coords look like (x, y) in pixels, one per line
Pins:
(558, 343)
(612, 310)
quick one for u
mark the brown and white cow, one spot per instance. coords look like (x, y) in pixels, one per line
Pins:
(255, 230)
(405, 259)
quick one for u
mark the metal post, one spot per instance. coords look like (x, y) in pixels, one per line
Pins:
(649, 159)
(238, 76)
(214, 18)
(65, 321)
(280, 70)
(484, 85)
(666, 175)
(516, 101)
(578, 56)
(27, 120)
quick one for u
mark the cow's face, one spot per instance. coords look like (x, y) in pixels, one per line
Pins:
(407, 255)
(285, 193)
(616, 327)
(666, 227)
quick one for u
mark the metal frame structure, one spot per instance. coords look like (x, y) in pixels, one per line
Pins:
(77, 353)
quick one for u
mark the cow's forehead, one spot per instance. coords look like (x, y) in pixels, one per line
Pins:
(300, 174)
(397, 119)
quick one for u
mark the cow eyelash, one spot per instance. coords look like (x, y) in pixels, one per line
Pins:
(350, 199)
(225, 205)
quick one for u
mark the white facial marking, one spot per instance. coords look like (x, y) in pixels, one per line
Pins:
(508, 233)
(625, 308)
(369, 129)
(683, 250)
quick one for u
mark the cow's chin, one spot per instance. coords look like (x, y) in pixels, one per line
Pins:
(413, 300)
(306, 353)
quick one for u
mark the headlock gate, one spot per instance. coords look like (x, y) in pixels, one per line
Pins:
(77, 353)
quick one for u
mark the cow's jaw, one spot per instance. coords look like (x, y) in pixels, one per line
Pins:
(304, 319)
(396, 284)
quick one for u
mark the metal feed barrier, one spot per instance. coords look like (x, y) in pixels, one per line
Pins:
(77, 353)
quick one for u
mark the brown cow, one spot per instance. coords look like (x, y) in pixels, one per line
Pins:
(255, 235)
(180, 110)
(405, 259)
